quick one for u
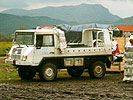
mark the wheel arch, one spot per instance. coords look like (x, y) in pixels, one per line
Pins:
(90, 60)
(57, 61)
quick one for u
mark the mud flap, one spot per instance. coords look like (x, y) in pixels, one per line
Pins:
(108, 64)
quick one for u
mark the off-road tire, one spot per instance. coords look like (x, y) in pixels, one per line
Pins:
(26, 73)
(97, 70)
(48, 72)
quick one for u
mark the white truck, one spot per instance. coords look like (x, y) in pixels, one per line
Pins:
(45, 50)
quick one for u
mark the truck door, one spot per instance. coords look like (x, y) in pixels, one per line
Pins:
(44, 47)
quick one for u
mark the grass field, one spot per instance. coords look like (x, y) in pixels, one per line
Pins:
(7, 71)
(3, 46)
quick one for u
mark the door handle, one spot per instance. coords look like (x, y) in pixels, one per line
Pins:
(51, 53)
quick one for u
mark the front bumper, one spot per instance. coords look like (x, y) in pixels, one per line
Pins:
(20, 63)
(10, 61)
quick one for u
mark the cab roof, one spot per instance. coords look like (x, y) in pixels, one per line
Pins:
(94, 29)
(41, 31)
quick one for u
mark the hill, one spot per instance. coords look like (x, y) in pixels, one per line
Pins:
(9, 23)
(125, 21)
(83, 13)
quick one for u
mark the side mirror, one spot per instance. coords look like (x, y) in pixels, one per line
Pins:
(8, 49)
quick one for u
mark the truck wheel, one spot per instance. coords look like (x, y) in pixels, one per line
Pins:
(26, 73)
(97, 70)
(48, 72)
(75, 72)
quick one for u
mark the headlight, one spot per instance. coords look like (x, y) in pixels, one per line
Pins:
(8, 56)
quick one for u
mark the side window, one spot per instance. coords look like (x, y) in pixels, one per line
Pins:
(101, 36)
(48, 40)
(44, 40)
(100, 41)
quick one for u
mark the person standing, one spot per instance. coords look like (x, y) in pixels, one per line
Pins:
(115, 48)
(130, 43)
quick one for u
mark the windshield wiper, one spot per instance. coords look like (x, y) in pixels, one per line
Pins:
(27, 45)
(19, 45)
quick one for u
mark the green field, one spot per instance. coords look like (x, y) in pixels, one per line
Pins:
(3, 46)
(7, 71)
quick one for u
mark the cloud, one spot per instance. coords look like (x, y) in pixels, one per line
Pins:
(13, 4)
(60, 1)
(121, 0)
(131, 1)
(123, 8)
(44, 3)
(32, 4)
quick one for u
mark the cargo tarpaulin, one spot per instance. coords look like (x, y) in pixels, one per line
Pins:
(74, 33)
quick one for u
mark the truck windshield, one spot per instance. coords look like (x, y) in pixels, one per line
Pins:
(24, 38)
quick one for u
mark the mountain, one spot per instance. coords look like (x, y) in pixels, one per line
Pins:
(83, 13)
(9, 23)
(125, 21)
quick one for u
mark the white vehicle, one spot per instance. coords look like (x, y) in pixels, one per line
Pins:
(45, 50)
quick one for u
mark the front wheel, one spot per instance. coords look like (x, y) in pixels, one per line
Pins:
(26, 73)
(75, 72)
(97, 70)
(48, 72)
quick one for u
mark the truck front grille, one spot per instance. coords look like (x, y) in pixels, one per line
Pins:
(18, 51)
(16, 57)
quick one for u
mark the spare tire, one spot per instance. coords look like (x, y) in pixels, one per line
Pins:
(75, 72)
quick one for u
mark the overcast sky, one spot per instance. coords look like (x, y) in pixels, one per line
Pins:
(122, 8)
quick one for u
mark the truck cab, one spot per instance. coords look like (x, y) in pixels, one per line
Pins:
(45, 50)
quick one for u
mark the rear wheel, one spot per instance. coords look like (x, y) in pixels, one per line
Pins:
(97, 70)
(75, 72)
(48, 72)
(26, 73)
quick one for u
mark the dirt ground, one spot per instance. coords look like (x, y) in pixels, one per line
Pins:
(64, 87)
(110, 87)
